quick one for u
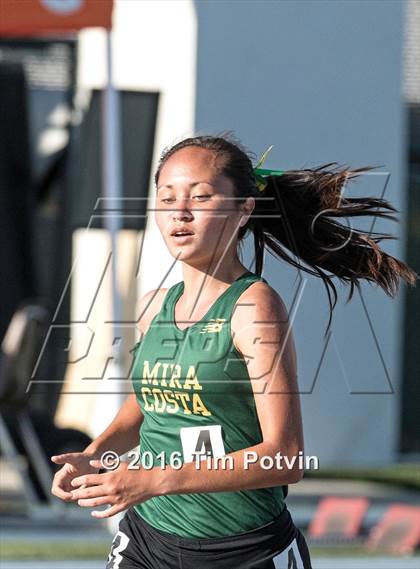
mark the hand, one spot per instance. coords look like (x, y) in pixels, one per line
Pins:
(120, 488)
(75, 464)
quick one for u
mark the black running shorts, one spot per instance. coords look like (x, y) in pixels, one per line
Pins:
(276, 545)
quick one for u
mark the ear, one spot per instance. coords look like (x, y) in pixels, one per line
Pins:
(247, 208)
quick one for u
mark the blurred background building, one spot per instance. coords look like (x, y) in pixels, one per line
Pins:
(322, 81)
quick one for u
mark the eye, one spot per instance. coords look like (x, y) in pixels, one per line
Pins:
(167, 200)
(202, 197)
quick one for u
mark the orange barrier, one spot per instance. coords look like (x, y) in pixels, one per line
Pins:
(398, 531)
(340, 517)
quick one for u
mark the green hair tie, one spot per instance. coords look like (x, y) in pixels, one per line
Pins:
(261, 173)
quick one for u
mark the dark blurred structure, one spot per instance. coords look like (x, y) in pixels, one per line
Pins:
(51, 170)
(33, 435)
(17, 203)
(36, 253)
(410, 417)
(138, 122)
(51, 180)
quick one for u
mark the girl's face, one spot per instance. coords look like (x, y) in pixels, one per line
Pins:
(193, 197)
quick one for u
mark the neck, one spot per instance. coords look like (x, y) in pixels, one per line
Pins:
(202, 286)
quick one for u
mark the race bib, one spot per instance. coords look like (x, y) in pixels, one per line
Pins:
(206, 441)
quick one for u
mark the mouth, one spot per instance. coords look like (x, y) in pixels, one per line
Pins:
(181, 234)
(182, 237)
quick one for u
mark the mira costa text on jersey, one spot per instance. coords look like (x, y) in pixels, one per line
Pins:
(180, 395)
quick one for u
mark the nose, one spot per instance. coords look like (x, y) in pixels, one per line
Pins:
(183, 211)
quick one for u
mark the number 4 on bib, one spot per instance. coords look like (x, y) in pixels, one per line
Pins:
(206, 441)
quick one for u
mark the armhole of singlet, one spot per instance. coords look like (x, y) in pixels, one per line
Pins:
(233, 348)
(134, 348)
(167, 298)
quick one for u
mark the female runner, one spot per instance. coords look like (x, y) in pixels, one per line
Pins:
(215, 378)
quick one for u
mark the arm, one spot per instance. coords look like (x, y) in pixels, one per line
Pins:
(268, 348)
(122, 434)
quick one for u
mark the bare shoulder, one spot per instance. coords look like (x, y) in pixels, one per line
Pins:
(259, 306)
(148, 306)
(263, 300)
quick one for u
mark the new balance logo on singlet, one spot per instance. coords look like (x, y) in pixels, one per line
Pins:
(215, 325)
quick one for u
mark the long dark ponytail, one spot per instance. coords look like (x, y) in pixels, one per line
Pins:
(296, 218)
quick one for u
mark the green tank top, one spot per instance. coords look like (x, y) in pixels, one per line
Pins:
(194, 390)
